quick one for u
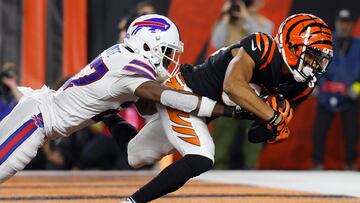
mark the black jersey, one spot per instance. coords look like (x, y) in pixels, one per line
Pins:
(207, 78)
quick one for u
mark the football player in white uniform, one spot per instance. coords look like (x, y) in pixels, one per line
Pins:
(120, 74)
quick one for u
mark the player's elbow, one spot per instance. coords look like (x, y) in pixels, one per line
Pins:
(229, 87)
(235, 90)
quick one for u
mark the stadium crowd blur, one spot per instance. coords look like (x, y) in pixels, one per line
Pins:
(238, 19)
(9, 94)
(338, 91)
(94, 148)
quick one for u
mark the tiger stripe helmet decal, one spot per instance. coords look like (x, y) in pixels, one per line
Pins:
(300, 33)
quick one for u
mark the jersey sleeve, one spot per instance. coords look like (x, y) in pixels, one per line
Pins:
(127, 84)
(139, 67)
(260, 47)
(135, 73)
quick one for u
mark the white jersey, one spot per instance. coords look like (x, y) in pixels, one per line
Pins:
(108, 82)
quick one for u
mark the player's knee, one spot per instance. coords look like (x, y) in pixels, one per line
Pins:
(19, 158)
(141, 159)
(198, 164)
(15, 163)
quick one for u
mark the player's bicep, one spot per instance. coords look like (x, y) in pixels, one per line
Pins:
(150, 90)
(239, 71)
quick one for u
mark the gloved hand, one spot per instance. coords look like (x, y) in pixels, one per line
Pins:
(260, 133)
(104, 114)
(278, 127)
(281, 105)
(280, 132)
(240, 113)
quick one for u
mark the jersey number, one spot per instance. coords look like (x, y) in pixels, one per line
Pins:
(100, 70)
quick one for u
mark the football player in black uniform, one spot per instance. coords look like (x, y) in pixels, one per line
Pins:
(287, 65)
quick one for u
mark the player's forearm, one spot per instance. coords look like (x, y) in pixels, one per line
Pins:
(180, 100)
(218, 110)
(246, 98)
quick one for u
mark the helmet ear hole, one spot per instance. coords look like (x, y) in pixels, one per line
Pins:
(146, 47)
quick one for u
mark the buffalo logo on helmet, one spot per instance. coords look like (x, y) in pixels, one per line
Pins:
(153, 24)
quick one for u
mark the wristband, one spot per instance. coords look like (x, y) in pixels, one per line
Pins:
(206, 107)
(229, 111)
(272, 120)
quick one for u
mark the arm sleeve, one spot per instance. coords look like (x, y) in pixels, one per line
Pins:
(253, 48)
(260, 47)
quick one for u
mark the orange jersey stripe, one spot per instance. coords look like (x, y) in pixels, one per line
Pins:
(173, 82)
(266, 45)
(182, 78)
(258, 44)
(269, 58)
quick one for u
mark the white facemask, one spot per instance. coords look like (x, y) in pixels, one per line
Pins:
(306, 72)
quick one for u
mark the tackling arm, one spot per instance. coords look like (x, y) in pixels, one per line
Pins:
(181, 100)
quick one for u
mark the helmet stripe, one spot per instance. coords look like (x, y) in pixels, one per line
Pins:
(321, 42)
(321, 32)
(312, 25)
(290, 29)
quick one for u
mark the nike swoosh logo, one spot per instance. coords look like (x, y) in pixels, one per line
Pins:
(252, 45)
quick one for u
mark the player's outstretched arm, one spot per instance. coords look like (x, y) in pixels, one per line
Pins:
(181, 100)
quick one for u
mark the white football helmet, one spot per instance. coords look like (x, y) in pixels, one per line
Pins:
(156, 38)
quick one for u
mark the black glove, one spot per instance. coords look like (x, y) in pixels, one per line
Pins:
(104, 114)
(238, 113)
(259, 133)
(281, 105)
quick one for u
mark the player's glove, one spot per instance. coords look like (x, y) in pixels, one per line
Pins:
(238, 113)
(259, 133)
(279, 130)
(104, 114)
(281, 105)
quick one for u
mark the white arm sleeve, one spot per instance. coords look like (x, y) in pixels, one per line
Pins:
(179, 101)
(187, 102)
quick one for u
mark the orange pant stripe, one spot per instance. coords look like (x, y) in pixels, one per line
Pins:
(183, 127)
